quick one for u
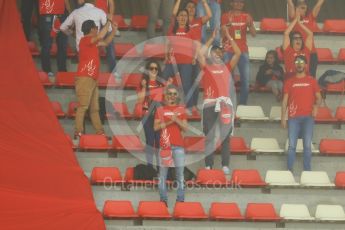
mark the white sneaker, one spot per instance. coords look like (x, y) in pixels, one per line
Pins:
(226, 170)
(117, 33)
(208, 168)
(50, 74)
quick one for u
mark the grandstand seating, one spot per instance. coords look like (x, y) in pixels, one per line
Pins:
(295, 212)
(299, 146)
(107, 80)
(127, 143)
(275, 113)
(340, 180)
(261, 212)
(131, 80)
(129, 178)
(247, 178)
(139, 22)
(280, 178)
(265, 145)
(58, 109)
(153, 210)
(330, 213)
(250, 112)
(122, 109)
(45, 79)
(341, 55)
(33, 48)
(154, 50)
(273, 25)
(225, 211)
(119, 209)
(121, 24)
(211, 177)
(334, 26)
(65, 79)
(315, 179)
(72, 107)
(257, 53)
(340, 113)
(324, 115)
(106, 175)
(336, 87)
(126, 50)
(332, 146)
(93, 142)
(325, 55)
(189, 211)
(238, 145)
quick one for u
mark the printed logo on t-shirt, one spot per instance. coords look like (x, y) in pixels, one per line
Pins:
(165, 143)
(217, 71)
(169, 113)
(209, 92)
(181, 33)
(48, 5)
(292, 109)
(300, 85)
(90, 68)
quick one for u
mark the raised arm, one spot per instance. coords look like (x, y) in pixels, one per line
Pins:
(284, 110)
(110, 37)
(286, 39)
(309, 39)
(291, 9)
(111, 7)
(250, 25)
(237, 52)
(101, 34)
(176, 8)
(317, 8)
(208, 11)
(204, 49)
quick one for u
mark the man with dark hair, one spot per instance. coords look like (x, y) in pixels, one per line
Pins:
(88, 70)
(301, 101)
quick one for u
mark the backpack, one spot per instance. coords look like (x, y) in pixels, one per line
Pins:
(144, 172)
(188, 174)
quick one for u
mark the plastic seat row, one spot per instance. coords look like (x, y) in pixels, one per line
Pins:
(123, 209)
(216, 178)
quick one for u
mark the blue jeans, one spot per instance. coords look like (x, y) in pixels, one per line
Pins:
(214, 21)
(187, 79)
(179, 157)
(244, 69)
(305, 126)
(152, 140)
(110, 55)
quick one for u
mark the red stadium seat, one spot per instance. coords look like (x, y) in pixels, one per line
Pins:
(65, 79)
(71, 142)
(340, 180)
(33, 49)
(225, 211)
(153, 210)
(129, 179)
(189, 211)
(194, 144)
(336, 87)
(261, 212)
(247, 178)
(324, 115)
(154, 50)
(44, 79)
(138, 111)
(127, 50)
(121, 209)
(273, 25)
(121, 24)
(334, 26)
(341, 55)
(122, 110)
(332, 146)
(325, 55)
(106, 175)
(211, 177)
(107, 80)
(340, 114)
(72, 107)
(131, 80)
(58, 109)
(127, 143)
(139, 22)
(238, 145)
(93, 142)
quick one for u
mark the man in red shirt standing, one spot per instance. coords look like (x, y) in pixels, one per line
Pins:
(88, 71)
(301, 101)
(171, 120)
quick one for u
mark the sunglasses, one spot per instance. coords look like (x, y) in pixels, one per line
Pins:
(172, 93)
(153, 68)
(299, 61)
(297, 38)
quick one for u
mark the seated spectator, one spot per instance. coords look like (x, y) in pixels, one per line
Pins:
(271, 74)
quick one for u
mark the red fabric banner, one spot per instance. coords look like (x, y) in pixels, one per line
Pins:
(41, 183)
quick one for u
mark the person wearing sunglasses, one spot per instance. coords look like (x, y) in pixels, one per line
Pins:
(150, 95)
(171, 122)
(300, 103)
(308, 18)
(294, 45)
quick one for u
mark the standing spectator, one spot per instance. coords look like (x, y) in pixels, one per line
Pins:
(151, 96)
(271, 74)
(88, 11)
(236, 22)
(215, 20)
(154, 8)
(294, 45)
(171, 120)
(180, 55)
(301, 100)
(26, 9)
(308, 18)
(219, 99)
(48, 11)
(86, 85)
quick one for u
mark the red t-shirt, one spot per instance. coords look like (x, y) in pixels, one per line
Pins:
(301, 93)
(310, 22)
(216, 80)
(237, 30)
(181, 45)
(102, 4)
(196, 26)
(155, 91)
(164, 114)
(289, 59)
(219, 1)
(88, 58)
(52, 6)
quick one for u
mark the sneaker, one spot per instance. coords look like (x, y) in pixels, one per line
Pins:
(226, 170)
(117, 33)
(77, 135)
(208, 167)
(50, 74)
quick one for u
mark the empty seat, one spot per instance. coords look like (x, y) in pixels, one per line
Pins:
(44, 79)
(154, 50)
(273, 25)
(340, 180)
(126, 50)
(238, 145)
(299, 146)
(332, 146)
(325, 55)
(93, 142)
(58, 109)
(330, 213)
(257, 53)
(127, 143)
(225, 211)
(122, 110)
(248, 112)
(194, 144)
(118, 209)
(33, 48)
(189, 210)
(129, 178)
(139, 22)
(138, 111)
(280, 178)
(340, 113)
(295, 212)
(324, 115)
(65, 79)
(334, 26)
(153, 210)
(265, 145)
(106, 80)
(211, 177)
(275, 113)
(341, 55)
(131, 80)
(315, 179)
(261, 212)
(121, 24)
(72, 108)
(106, 175)
(338, 87)
(246, 178)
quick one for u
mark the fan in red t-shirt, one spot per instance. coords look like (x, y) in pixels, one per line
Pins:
(88, 70)
(294, 45)
(300, 102)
